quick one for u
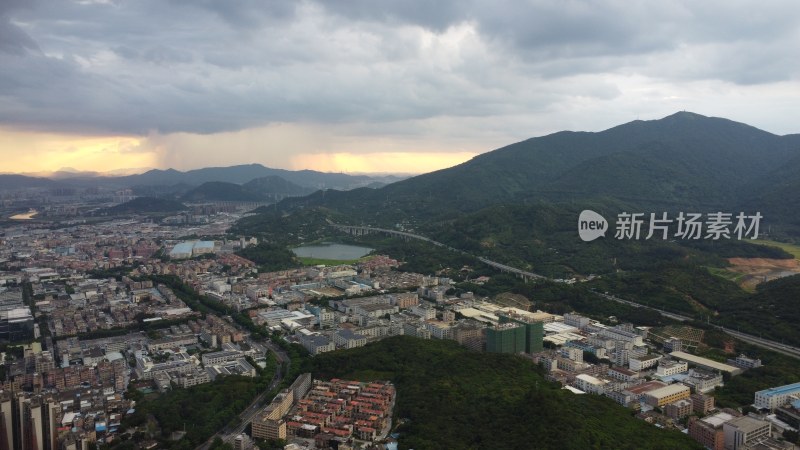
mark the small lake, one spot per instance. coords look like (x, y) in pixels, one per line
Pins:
(331, 251)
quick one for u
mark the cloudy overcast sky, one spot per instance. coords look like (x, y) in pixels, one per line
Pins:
(371, 85)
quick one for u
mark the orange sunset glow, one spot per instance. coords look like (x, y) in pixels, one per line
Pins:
(46, 152)
(389, 162)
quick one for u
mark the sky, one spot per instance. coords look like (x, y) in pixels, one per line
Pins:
(371, 85)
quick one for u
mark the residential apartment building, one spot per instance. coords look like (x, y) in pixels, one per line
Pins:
(269, 423)
(702, 403)
(622, 374)
(470, 336)
(316, 344)
(703, 380)
(744, 362)
(439, 330)
(533, 328)
(774, 397)
(668, 394)
(643, 362)
(348, 339)
(576, 320)
(173, 341)
(708, 431)
(669, 367)
(678, 410)
(209, 359)
(790, 414)
(505, 338)
(407, 300)
(619, 334)
(590, 384)
(743, 431)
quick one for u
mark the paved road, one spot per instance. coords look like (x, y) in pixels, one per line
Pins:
(227, 435)
(674, 316)
(514, 270)
(489, 262)
(755, 340)
(765, 343)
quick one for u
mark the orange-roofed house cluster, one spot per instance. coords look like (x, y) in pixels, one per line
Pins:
(342, 409)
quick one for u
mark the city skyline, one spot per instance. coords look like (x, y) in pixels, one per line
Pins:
(102, 85)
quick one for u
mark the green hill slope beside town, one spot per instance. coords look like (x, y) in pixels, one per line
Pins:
(449, 397)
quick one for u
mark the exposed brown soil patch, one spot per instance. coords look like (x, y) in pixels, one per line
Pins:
(759, 270)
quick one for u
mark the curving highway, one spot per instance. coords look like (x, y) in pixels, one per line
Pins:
(755, 340)
(353, 229)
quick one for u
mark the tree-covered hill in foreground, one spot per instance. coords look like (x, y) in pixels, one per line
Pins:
(450, 397)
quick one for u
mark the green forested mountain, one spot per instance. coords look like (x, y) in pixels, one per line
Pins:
(776, 194)
(449, 397)
(221, 191)
(13, 181)
(519, 205)
(681, 161)
(269, 188)
(242, 174)
(145, 205)
(772, 310)
(274, 185)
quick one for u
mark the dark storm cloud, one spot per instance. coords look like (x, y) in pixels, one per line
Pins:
(13, 39)
(243, 13)
(205, 66)
(551, 28)
(568, 37)
(437, 15)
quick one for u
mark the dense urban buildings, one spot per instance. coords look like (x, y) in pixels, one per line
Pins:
(95, 301)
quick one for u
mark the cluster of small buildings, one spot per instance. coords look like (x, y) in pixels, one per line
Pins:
(87, 378)
(667, 385)
(82, 247)
(353, 322)
(331, 413)
(635, 373)
(101, 304)
(68, 419)
(47, 402)
(165, 359)
(728, 430)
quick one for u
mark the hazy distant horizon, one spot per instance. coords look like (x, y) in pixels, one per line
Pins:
(67, 171)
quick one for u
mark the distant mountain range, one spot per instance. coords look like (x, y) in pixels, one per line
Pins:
(156, 181)
(244, 173)
(685, 161)
(11, 181)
